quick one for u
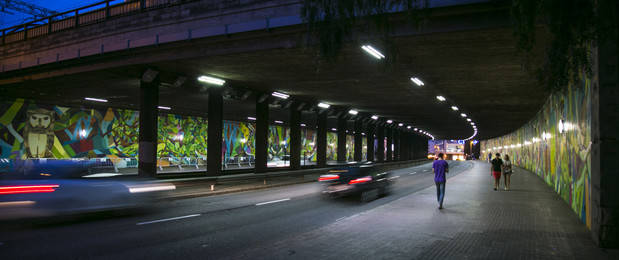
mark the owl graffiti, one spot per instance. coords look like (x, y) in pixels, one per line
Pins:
(39, 133)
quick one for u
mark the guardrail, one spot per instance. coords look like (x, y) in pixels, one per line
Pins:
(94, 13)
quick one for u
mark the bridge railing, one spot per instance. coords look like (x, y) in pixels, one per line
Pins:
(94, 13)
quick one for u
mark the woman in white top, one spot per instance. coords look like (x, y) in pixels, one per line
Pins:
(507, 171)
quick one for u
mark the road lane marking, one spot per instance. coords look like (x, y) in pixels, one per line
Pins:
(412, 173)
(394, 177)
(167, 219)
(269, 202)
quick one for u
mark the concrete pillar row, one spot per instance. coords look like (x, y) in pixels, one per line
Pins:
(358, 149)
(341, 138)
(147, 146)
(396, 145)
(295, 137)
(215, 128)
(262, 133)
(389, 135)
(321, 139)
(380, 136)
(369, 135)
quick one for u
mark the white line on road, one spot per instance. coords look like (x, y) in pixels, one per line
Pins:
(269, 202)
(394, 177)
(412, 173)
(168, 219)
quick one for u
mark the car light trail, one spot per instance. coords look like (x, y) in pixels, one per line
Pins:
(28, 189)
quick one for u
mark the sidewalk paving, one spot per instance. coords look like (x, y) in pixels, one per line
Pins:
(528, 222)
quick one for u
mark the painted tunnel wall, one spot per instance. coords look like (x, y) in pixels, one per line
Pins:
(556, 145)
(29, 129)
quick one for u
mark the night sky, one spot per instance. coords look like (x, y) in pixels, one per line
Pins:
(10, 17)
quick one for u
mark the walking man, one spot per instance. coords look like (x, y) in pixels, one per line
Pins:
(440, 167)
(497, 165)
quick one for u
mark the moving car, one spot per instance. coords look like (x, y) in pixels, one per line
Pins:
(59, 187)
(364, 180)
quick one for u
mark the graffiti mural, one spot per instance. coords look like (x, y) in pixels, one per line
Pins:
(556, 145)
(308, 145)
(239, 139)
(331, 146)
(350, 148)
(364, 151)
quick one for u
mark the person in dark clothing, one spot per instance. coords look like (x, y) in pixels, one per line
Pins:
(440, 167)
(495, 170)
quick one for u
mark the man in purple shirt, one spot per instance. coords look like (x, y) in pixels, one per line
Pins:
(440, 167)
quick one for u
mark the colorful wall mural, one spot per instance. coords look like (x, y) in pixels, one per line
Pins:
(308, 145)
(556, 145)
(350, 148)
(331, 146)
(364, 151)
(239, 140)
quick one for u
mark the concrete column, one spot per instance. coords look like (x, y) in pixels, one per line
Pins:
(396, 145)
(147, 146)
(605, 145)
(389, 133)
(262, 133)
(321, 140)
(215, 128)
(380, 135)
(358, 141)
(341, 138)
(295, 137)
(369, 134)
(404, 141)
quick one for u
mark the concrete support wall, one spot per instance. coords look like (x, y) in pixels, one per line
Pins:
(321, 140)
(380, 136)
(358, 153)
(341, 139)
(262, 134)
(369, 135)
(605, 150)
(295, 137)
(215, 126)
(149, 100)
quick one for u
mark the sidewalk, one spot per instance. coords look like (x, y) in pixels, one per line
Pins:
(528, 222)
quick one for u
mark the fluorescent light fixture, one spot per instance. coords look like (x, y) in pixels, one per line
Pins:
(408, 127)
(324, 105)
(280, 95)
(211, 80)
(417, 81)
(96, 99)
(303, 125)
(251, 118)
(400, 124)
(463, 115)
(454, 108)
(369, 49)
(415, 129)
(389, 121)
(164, 108)
(362, 133)
(353, 112)
(375, 117)
(440, 98)
(468, 119)
(279, 122)
(333, 129)
(473, 124)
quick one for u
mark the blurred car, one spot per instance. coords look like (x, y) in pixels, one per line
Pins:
(364, 180)
(59, 187)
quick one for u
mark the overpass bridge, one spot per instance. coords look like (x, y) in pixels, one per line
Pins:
(144, 59)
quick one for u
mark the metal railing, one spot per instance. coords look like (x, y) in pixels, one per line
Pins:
(90, 14)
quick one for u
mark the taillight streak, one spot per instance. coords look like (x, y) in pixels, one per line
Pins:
(328, 177)
(28, 189)
(360, 180)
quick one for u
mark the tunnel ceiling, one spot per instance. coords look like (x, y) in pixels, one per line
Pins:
(479, 71)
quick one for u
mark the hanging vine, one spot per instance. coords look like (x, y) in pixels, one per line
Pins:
(573, 25)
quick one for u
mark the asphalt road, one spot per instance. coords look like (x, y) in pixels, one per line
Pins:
(215, 227)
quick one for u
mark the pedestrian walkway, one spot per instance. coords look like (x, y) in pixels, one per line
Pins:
(528, 222)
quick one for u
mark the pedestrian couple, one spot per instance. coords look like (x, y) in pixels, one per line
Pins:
(504, 166)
